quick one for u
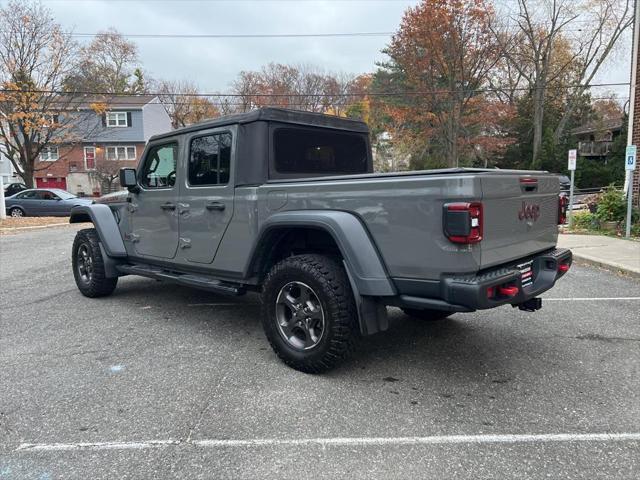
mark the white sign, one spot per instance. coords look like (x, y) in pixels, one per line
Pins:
(630, 158)
(573, 156)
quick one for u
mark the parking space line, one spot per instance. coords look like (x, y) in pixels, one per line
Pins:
(343, 441)
(588, 299)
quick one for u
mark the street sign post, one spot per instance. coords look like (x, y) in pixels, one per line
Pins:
(630, 160)
(573, 160)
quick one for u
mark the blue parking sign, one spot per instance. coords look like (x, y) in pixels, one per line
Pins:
(630, 158)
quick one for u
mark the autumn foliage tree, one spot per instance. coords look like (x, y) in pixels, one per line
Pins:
(440, 60)
(35, 58)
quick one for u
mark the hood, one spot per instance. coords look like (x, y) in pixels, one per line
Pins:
(115, 197)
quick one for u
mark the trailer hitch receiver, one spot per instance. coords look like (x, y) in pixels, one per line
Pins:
(530, 305)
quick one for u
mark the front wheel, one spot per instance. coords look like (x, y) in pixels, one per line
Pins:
(88, 265)
(426, 314)
(309, 313)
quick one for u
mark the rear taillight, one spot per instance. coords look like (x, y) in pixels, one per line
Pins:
(563, 203)
(463, 222)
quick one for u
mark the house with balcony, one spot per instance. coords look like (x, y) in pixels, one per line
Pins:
(107, 138)
(596, 138)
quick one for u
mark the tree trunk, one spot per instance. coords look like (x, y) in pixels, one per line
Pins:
(538, 116)
(27, 177)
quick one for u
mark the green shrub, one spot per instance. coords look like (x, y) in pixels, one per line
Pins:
(585, 220)
(612, 206)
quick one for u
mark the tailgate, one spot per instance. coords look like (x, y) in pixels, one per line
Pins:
(520, 216)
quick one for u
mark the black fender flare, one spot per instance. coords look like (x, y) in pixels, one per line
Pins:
(105, 223)
(364, 265)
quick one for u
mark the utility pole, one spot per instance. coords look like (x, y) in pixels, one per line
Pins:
(633, 133)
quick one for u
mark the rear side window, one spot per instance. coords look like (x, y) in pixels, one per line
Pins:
(210, 159)
(32, 194)
(311, 151)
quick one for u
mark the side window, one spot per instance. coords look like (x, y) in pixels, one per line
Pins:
(30, 195)
(210, 159)
(159, 170)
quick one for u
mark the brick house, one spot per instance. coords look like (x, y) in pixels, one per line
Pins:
(115, 138)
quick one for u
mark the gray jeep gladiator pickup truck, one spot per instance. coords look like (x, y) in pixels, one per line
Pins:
(285, 203)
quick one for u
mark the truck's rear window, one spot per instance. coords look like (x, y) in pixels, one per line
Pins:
(309, 151)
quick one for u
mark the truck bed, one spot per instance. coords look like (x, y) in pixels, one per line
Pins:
(403, 211)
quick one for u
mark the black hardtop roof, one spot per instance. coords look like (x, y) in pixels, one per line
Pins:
(283, 115)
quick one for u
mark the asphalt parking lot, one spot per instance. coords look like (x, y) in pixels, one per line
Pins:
(159, 381)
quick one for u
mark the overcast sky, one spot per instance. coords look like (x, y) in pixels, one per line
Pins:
(214, 63)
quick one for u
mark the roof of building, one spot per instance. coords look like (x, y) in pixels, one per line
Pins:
(599, 126)
(278, 115)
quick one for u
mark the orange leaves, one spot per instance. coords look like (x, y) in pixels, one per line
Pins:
(444, 52)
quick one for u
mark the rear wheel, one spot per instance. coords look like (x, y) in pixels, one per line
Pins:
(427, 315)
(16, 212)
(309, 313)
(88, 265)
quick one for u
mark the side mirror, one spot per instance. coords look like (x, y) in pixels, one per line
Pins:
(128, 179)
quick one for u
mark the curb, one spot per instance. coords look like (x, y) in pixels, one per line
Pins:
(32, 227)
(610, 266)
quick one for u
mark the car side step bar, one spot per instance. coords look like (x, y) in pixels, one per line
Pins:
(197, 281)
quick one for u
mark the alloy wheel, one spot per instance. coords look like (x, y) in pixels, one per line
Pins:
(300, 316)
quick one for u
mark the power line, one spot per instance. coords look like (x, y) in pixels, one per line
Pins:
(310, 95)
(235, 35)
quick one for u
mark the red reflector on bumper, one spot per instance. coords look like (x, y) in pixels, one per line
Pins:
(508, 291)
(563, 267)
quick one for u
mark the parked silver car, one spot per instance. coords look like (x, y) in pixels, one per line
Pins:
(40, 202)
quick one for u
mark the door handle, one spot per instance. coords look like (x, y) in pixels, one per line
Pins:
(168, 206)
(215, 206)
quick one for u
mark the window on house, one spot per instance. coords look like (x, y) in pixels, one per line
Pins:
(117, 119)
(89, 158)
(210, 160)
(159, 170)
(50, 119)
(125, 152)
(49, 154)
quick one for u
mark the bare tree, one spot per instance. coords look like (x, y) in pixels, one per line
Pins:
(533, 39)
(302, 87)
(35, 58)
(181, 101)
(106, 174)
(109, 64)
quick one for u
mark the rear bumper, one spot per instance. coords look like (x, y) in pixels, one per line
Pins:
(466, 293)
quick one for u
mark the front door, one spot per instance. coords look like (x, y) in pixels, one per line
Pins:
(154, 212)
(206, 201)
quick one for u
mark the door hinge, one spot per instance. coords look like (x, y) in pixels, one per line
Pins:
(185, 242)
(132, 207)
(183, 208)
(132, 237)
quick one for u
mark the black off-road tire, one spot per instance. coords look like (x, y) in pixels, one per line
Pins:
(96, 284)
(427, 315)
(327, 278)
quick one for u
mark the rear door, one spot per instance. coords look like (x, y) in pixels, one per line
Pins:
(206, 193)
(520, 214)
(154, 210)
